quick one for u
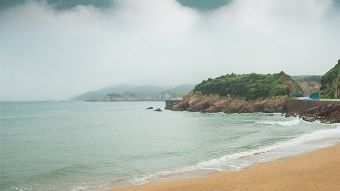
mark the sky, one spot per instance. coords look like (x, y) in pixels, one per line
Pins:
(56, 49)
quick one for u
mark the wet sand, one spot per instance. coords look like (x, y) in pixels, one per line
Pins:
(315, 171)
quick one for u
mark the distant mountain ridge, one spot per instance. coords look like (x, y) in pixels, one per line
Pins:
(135, 93)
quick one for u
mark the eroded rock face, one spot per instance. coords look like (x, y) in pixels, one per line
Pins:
(196, 102)
(326, 114)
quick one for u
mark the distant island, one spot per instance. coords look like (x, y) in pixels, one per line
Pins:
(135, 93)
(268, 93)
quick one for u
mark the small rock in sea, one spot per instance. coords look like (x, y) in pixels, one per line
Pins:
(159, 109)
(149, 108)
(308, 118)
(290, 115)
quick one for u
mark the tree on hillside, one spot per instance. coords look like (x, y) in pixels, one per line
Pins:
(249, 86)
(330, 83)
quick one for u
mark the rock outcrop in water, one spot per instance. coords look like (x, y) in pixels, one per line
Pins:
(196, 102)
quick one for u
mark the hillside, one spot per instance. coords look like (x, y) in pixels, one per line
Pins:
(306, 78)
(330, 83)
(249, 86)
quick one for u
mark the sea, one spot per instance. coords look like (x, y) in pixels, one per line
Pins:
(95, 146)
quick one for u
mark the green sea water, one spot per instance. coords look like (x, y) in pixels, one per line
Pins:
(98, 145)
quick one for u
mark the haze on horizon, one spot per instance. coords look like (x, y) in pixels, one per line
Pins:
(55, 49)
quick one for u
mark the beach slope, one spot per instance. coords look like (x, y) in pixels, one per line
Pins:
(315, 171)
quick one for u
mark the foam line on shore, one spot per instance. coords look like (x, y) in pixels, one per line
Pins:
(289, 123)
(299, 145)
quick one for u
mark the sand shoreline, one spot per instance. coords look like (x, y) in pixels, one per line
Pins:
(314, 171)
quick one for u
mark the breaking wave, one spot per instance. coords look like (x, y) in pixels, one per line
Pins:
(290, 123)
(302, 144)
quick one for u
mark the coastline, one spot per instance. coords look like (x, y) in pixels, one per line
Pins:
(317, 170)
(326, 111)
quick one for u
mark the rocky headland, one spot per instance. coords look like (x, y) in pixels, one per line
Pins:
(197, 102)
(266, 93)
(240, 93)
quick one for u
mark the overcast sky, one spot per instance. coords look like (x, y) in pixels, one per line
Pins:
(50, 51)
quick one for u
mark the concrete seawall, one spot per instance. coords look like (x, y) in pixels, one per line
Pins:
(298, 106)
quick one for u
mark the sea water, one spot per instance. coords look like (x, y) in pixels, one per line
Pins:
(75, 146)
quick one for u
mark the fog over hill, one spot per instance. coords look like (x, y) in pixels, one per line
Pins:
(134, 92)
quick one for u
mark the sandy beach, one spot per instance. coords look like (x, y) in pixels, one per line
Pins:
(315, 171)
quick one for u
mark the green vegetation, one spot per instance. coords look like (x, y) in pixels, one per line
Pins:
(314, 95)
(297, 95)
(249, 86)
(330, 85)
(307, 78)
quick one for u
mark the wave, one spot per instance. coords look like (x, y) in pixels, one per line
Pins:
(302, 144)
(281, 123)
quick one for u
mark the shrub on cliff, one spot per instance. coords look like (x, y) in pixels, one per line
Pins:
(249, 86)
(330, 82)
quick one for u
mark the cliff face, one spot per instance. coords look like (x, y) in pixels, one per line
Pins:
(196, 102)
(309, 87)
(308, 83)
(293, 87)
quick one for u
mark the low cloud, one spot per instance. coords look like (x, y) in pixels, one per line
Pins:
(54, 54)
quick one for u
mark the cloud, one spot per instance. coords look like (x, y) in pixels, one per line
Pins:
(54, 54)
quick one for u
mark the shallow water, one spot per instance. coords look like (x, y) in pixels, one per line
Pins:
(95, 146)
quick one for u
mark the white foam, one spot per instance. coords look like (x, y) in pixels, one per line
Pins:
(281, 123)
(79, 188)
(305, 143)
